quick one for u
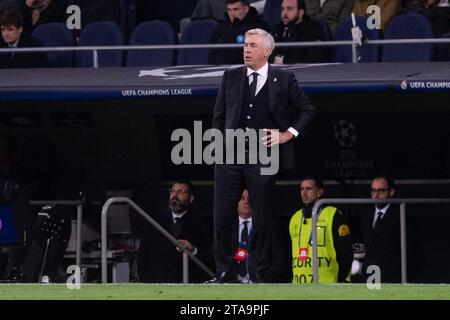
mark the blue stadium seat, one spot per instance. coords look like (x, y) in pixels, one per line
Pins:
(272, 12)
(183, 9)
(152, 33)
(408, 26)
(199, 31)
(56, 35)
(103, 33)
(368, 53)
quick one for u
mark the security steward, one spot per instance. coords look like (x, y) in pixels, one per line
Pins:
(335, 253)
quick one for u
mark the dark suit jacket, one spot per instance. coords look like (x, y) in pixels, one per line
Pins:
(382, 248)
(280, 270)
(307, 30)
(160, 262)
(289, 105)
(26, 59)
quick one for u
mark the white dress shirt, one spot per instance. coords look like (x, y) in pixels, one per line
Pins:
(383, 212)
(241, 226)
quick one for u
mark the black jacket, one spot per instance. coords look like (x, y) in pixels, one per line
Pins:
(227, 32)
(307, 30)
(383, 247)
(160, 262)
(289, 106)
(26, 59)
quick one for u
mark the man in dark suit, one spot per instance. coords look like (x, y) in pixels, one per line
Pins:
(297, 26)
(280, 262)
(239, 18)
(11, 24)
(253, 98)
(380, 231)
(159, 260)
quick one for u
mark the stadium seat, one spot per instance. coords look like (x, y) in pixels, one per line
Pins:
(183, 9)
(56, 35)
(103, 33)
(152, 33)
(368, 53)
(408, 26)
(199, 31)
(272, 12)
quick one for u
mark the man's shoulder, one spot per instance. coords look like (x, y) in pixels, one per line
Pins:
(279, 72)
(29, 42)
(235, 71)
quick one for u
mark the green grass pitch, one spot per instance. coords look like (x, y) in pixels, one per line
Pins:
(224, 292)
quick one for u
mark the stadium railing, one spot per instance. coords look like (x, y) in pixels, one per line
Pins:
(104, 239)
(354, 45)
(402, 202)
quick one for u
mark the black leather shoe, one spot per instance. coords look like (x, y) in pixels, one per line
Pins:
(224, 277)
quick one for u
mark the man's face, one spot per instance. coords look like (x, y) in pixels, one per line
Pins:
(244, 208)
(380, 189)
(237, 10)
(180, 199)
(11, 33)
(309, 191)
(255, 53)
(289, 11)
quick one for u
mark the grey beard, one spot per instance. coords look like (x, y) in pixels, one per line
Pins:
(177, 207)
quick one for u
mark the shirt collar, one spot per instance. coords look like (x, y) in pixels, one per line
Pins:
(178, 215)
(15, 44)
(242, 220)
(261, 71)
(383, 210)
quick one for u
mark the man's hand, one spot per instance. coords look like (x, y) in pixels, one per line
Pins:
(275, 137)
(185, 245)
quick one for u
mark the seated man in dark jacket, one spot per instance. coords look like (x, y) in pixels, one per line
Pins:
(240, 18)
(11, 24)
(296, 26)
(159, 261)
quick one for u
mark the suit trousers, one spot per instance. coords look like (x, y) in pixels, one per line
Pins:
(230, 181)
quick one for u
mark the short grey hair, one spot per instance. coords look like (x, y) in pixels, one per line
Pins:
(268, 39)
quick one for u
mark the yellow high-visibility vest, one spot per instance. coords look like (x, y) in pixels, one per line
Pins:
(300, 230)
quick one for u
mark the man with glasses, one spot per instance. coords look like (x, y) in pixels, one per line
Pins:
(159, 260)
(380, 232)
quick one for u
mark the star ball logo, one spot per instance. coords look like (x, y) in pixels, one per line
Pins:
(404, 85)
(345, 133)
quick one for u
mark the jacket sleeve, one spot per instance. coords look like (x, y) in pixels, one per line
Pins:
(301, 108)
(219, 113)
(342, 244)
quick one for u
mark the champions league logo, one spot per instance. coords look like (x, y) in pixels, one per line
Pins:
(345, 133)
(348, 165)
